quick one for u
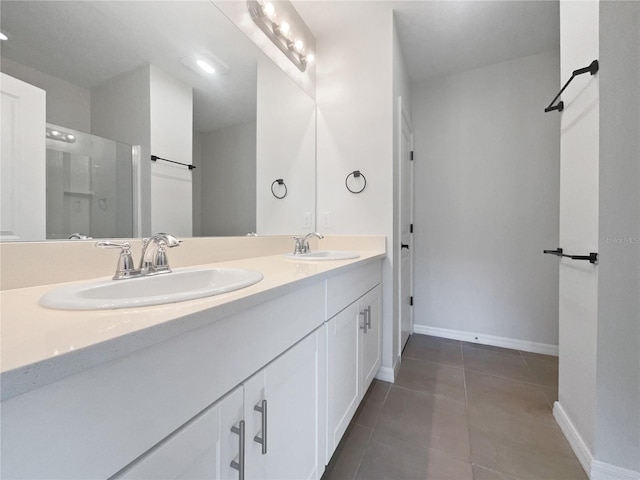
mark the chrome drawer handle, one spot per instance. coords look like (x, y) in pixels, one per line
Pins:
(262, 408)
(239, 465)
(364, 322)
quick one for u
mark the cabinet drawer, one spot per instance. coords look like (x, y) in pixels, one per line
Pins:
(343, 289)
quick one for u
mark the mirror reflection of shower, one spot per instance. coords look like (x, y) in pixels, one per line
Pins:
(89, 185)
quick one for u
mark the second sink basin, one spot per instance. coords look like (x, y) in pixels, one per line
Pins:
(171, 287)
(323, 255)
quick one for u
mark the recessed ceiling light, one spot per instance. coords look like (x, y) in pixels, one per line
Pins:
(205, 66)
(205, 63)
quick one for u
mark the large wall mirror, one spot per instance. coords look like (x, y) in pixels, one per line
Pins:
(93, 90)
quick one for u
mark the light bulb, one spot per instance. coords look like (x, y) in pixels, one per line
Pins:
(268, 9)
(55, 133)
(285, 28)
(3, 36)
(70, 137)
(298, 46)
(205, 66)
(310, 58)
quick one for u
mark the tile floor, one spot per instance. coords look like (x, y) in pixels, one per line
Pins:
(459, 411)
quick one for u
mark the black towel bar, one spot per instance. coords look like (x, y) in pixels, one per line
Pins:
(592, 69)
(592, 257)
(189, 166)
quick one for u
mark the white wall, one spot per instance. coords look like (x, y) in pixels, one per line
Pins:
(67, 104)
(120, 110)
(227, 173)
(285, 146)
(486, 204)
(171, 108)
(355, 132)
(618, 360)
(578, 281)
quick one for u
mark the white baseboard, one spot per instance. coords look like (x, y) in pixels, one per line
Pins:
(596, 470)
(606, 471)
(387, 374)
(578, 445)
(483, 339)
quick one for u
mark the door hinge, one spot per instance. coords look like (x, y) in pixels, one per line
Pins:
(411, 300)
(411, 156)
(411, 228)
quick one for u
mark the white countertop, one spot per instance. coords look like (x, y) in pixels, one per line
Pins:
(40, 345)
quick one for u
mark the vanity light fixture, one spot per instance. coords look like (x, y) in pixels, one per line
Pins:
(205, 64)
(54, 134)
(279, 32)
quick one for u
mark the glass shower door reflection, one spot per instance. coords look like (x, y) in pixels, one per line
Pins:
(89, 185)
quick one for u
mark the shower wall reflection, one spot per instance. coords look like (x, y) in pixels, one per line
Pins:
(89, 185)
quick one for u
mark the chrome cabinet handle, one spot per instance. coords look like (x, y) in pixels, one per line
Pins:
(262, 408)
(239, 465)
(364, 322)
(368, 317)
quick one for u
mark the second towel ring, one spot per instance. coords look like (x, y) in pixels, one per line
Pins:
(279, 181)
(356, 174)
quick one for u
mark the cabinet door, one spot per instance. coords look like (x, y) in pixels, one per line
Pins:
(202, 449)
(343, 372)
(286, 395)
(371, 337)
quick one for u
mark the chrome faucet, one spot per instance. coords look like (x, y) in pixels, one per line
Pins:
(154, 256)
(153, 260)
(302, 243)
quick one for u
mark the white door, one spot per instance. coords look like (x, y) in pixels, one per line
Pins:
(22, 161)
(406, 226)
(281, 409)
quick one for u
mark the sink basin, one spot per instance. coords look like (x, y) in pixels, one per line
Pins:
(171, 287)
(321, 255)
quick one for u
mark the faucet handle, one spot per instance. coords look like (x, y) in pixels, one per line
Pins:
(124, 246)
(299, 247)
(125, 267)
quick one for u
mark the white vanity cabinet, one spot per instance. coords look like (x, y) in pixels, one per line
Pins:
(279, 439)
(353, 349)
(172, 400)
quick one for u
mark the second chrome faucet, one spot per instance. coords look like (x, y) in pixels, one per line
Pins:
(153, 260)
(302, 243)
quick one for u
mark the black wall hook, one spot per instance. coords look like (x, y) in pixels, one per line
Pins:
(355, 174)
(279, 181)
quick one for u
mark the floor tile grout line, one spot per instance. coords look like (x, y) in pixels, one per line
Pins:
(431, 394)
(433, 361)
(511, 379)
(366, 449)
(464, 377)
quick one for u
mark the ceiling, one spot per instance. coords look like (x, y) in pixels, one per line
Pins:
(446, 37)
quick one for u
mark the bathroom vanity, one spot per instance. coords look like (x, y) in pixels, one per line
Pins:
(258, 383)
